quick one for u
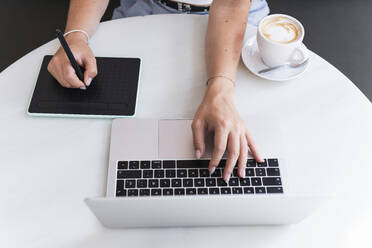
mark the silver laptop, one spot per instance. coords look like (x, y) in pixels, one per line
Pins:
(154, 180)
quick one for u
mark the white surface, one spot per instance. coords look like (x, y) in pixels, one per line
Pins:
(49, 165)
(251, 58)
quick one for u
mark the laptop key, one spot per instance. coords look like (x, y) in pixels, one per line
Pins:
(262, 164)
(179, 191)
(155, 192)
(260, 172)
(133, 192)
(234, 181)
(167, 191)
(193, 173)
(130, 184)
(272, 181)
(119, 184)
(170, 173)
(251, 163)
(187, 182)
(144, 192)
(203, 172)
(176, 183)
(156, 164)
(273, 171)
(142, 183)
(123, 165)
(148, 173)
(244, 182)
(248, 190)
(273, 162)
(169, 164)
(210, 182)
(236, 190)
(235, 172)
(222, 163)
(159, 173)
(190, 164)
(190, 191)
(165, 183)
(129, 174)
(145, 164)
(214, 191)
(199, 182)
(249, 172)
(260, 190)
(225, 191)
(274, 190)
(182, 173)
(221, 182)
(121, 192)
(133, 165)
(217, 173)
(153, 183)
(256, 181)
(202, 191)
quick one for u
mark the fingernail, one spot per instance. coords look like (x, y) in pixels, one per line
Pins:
(242, 172)
(228, 178)
(83, 88)
(198, 154)
(89, 80)
(212, 170)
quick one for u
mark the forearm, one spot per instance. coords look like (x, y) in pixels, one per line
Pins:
(225, 34)
(85, 15)
(217, 112)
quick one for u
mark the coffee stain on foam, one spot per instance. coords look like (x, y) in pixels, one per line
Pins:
(285, 24)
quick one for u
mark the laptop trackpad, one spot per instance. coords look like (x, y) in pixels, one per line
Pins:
(176, 140)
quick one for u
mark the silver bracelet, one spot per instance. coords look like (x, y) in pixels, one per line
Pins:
(232, 81)
(78, 30)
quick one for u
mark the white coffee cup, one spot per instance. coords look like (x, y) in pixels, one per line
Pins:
(279, 39)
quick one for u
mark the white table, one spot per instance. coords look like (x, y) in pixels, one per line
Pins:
(49, 165)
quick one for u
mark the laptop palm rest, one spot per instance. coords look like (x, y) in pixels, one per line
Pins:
(176, 140)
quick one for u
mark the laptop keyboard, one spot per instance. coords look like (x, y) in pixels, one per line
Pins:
(191, 177)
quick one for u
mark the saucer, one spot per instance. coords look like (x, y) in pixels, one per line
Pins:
(252, 60)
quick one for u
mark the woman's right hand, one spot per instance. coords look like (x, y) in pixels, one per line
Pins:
(61, 68)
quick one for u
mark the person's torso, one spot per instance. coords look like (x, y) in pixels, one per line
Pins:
(130, 8)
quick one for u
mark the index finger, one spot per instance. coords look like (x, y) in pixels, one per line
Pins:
(253, 148)
(220, 143)
(198, 132)
(72, 79)
(90, 69)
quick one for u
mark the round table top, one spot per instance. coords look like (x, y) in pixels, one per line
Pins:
(49, 165)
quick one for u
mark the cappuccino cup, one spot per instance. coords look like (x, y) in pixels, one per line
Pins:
(279, 39)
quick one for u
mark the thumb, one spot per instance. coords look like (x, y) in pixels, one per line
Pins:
(90, 69)
(198, 130)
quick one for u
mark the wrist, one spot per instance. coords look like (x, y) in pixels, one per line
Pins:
(76, 37)
(220, 87)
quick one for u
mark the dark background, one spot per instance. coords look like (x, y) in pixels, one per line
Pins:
(340, 31)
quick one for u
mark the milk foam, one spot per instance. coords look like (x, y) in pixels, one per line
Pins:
(280, 29)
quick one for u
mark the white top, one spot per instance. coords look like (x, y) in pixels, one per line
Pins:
(196, 2)
(49, 165)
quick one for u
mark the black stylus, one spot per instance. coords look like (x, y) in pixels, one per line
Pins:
(70, 56)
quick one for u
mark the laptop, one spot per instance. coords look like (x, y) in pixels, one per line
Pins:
(154, 180)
